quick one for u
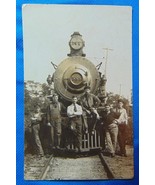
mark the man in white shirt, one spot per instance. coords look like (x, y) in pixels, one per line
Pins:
(122, 127)
(74, 112)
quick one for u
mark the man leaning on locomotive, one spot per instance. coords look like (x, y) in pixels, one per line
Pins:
(90, 103)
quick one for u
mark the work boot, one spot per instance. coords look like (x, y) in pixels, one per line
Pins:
(93, 132)
(124, 155)
(57, 147)
(40, 155)
(58, 140)
(86, 131)
(112, 155)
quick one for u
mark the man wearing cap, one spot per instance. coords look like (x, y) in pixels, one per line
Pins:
(90, 103)
(122, 127)
(74, 112)
(54, 111)
(111, 129)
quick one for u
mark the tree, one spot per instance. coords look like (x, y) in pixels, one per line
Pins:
(30, 106)
(45, 89)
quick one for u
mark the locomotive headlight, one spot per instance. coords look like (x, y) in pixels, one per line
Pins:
(76, 78)
(76, 43)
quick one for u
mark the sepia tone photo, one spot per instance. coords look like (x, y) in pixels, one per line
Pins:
(78, 92)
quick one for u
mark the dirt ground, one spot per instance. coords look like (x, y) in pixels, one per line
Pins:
(122, 167)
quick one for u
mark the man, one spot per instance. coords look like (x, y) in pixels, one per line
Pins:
(36, 120)
(90, 103)
(49, 80)
(74, 112)
(111, 129)
(54, 111)
(122, 127)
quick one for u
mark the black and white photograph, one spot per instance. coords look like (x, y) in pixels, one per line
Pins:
(78, 104)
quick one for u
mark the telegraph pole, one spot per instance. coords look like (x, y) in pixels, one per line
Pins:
(106, 59)
(120, 90)
(103, 78)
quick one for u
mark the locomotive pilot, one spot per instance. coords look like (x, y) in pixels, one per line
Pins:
(54, 111)
(74, 112)
(90, 103)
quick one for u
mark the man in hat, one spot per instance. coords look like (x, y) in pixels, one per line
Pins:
(90, 103)
(74, 112)
(122, 127)
(111, 129)
(54, 111)
(49, 80)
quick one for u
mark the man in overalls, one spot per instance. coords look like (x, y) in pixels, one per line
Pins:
(54, 111)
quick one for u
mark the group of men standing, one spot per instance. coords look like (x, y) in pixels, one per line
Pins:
(114, 122)
(115, 125)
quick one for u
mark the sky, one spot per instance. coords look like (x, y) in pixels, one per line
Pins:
(47, 30)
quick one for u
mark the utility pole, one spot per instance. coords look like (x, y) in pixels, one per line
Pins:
(120, 90)
(103, 78)
(106, 59)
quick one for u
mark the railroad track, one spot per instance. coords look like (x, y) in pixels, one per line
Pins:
(45, 169)
(66, 168)
(35, 167)
(110, 173)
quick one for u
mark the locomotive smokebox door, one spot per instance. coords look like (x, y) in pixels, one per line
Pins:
(72, 75)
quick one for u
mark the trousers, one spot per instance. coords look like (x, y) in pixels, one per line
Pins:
(122, 131)
(56, 132)
(111, 133)
(37, 142)
(76, 127)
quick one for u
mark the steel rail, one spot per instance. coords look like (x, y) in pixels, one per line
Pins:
(110, 174)
(45, 170)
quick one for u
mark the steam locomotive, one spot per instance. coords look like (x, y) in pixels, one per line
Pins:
(70, 78)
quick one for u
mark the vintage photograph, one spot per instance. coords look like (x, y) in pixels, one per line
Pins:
(77, 92)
